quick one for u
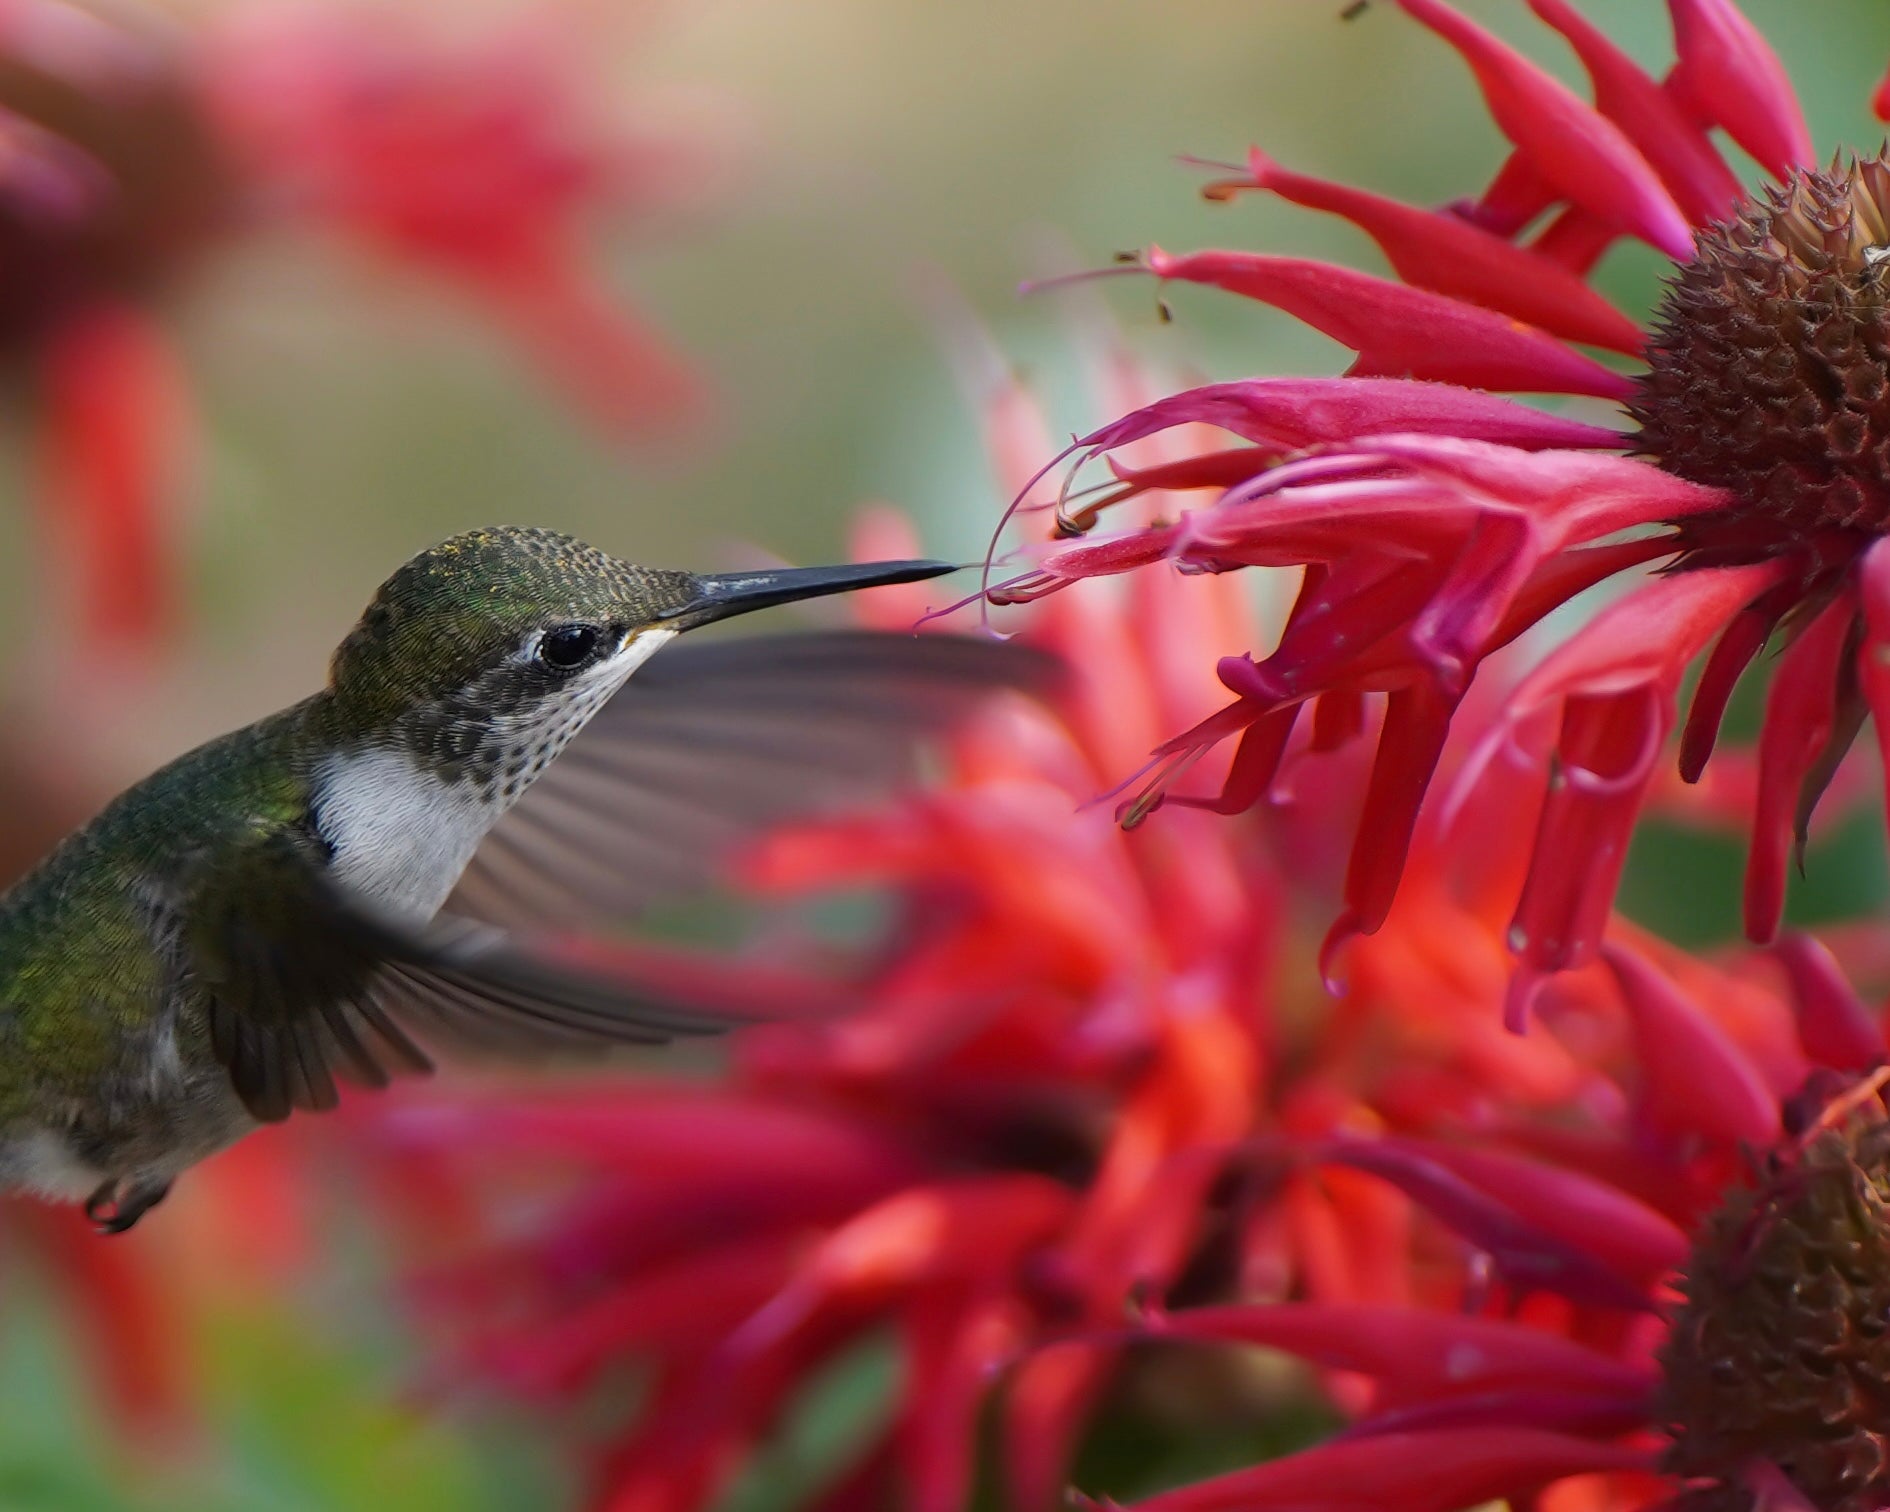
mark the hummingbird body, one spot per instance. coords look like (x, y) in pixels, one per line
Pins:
(106, 1068)
(262, 917)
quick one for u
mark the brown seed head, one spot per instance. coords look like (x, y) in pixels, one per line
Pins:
(1780, 1353)
(1769, 365)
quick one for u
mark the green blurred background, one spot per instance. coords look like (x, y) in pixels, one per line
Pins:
(870, 150)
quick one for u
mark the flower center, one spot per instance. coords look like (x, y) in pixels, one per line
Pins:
(1769, 365)
(1778, 1361)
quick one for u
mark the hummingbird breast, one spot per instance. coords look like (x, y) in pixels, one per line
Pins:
(402, 817)
(398, 833)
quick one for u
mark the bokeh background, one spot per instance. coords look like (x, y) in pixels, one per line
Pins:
(863, 179)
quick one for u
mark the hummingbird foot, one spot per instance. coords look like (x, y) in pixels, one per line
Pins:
(122, 1201)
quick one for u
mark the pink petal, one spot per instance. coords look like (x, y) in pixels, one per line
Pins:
(1742, 640)
(1697, 1079)
(1297, 413)
(1415, 1351)
(1729, 76)
(1451, 256)
(1800, 720)
(1525, 1256)
(1399, 331)
(1583, 1414)
(1570, 144)
(1440, 1471)
(1678, 150)
(1619, 1230)
(1834, 1026)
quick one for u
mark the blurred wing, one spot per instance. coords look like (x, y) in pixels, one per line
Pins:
(307, 984)
(710, 744)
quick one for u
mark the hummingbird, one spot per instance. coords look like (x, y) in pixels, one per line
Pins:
(337, 891)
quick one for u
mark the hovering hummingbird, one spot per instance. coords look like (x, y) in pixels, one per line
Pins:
(326, 895)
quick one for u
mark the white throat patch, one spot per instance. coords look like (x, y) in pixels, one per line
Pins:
(402, 836)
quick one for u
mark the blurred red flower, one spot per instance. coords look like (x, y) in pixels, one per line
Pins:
(134, 150)
(1437, 522)
(1680, 1276)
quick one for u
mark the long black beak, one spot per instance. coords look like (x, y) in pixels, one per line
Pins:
(721, 595)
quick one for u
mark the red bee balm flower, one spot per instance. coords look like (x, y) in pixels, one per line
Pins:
(1436, 521)
(1684, 1275)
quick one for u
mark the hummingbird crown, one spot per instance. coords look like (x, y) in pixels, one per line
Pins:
(492, 638)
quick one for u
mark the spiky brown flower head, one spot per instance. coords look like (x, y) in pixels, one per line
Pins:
(1779, 1358)
(1769, 366)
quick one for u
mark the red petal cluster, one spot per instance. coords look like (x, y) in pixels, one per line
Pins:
(1436, 522)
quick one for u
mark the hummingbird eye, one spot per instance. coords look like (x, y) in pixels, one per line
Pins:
(565, 648)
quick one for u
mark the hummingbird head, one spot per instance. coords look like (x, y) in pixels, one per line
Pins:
(484, 654)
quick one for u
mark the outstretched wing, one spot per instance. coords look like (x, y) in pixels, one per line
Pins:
(709, 744)
(306, 984)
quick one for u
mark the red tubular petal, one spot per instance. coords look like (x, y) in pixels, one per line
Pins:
(681, 1309)
(612, 366)
(1880, 101)
(1733, 653)
(1452, 256)
(1698, 178)
(1800, 717)
(1492, 567)
(1569, 143)
(1516, 196)
(1417, 721)
(1045, 1404)
(1604, 756)
(1873, 654)
(1575, 240)
(112, 458)
(1580, 1413)
(954, 1351)
(1439, 1471)
(1568, 573)
(1616, 680)
(1698, 1080)
(1294, 413)
(1399, 331)
(1338, 719)
(1834, 1026)
(1256, 763)
(1525, 1255)
(1729, 76)
(1414, 1351)
(1619, 1230)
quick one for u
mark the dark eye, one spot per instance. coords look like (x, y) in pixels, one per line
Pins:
(568, 647)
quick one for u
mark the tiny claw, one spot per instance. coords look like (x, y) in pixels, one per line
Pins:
(120, 1202)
